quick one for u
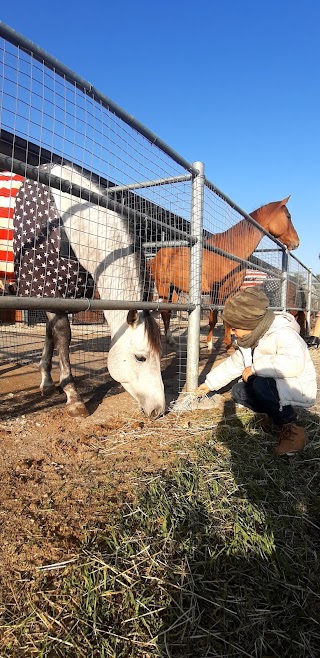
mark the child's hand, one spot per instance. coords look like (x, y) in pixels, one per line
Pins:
(248, 372)
(202, 390)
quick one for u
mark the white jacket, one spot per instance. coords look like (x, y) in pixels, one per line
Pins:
(282, 354)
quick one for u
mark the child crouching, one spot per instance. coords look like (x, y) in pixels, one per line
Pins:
(274, 364)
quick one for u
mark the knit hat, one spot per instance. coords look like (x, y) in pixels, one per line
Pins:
(246, 309)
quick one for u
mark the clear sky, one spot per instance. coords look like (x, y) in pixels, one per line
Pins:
(233, 83)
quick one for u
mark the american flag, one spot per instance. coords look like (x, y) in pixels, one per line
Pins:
(9, 187)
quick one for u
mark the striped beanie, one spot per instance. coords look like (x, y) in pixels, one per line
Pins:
(246, 309)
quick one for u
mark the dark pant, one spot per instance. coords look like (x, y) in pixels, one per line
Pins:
(261, 395)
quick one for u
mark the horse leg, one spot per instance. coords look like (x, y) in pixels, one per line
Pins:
(227, 335)
(166, 316)
(59, 330)
(47, 384)
(301, 319)
(213, 316)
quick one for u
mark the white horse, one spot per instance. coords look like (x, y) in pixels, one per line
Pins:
(101, 241)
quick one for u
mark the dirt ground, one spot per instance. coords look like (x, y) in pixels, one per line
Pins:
(61, 477)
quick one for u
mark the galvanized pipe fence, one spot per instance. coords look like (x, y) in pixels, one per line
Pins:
(166, 199)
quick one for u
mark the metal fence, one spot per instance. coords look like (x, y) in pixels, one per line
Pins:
(60, 133)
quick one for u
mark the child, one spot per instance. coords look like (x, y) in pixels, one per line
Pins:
(274, 363)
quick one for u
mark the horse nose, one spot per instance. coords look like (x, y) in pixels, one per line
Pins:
(294, 244)
(154, 413)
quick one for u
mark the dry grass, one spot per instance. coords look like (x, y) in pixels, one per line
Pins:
(217, 556)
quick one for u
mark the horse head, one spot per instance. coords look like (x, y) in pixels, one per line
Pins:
(134, 361)
(280, 224)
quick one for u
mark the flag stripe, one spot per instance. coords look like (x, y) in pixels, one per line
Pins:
(6, 234)
(6, 256)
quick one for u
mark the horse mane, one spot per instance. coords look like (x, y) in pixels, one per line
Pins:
(153, 332)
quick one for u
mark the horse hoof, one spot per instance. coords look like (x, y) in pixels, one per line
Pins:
(77, 409)
(46, 391)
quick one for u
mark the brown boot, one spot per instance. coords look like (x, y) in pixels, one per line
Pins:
(292, 439)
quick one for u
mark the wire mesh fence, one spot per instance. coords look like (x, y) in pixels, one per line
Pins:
(94, 206)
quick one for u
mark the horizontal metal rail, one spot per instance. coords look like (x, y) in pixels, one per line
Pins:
(151, 183)
(64, 185)
(51, 62)
(77, 305)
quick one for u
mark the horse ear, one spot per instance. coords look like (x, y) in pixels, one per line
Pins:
(132, 318)
(284, 201)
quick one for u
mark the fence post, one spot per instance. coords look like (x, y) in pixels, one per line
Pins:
(193, 342)
(309, 300)
(284, 280)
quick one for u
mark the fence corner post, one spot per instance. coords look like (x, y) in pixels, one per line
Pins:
(193, 342)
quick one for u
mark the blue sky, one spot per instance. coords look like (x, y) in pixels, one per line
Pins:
(234, 84)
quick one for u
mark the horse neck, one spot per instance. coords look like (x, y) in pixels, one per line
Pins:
(243, 237)
(120, 281)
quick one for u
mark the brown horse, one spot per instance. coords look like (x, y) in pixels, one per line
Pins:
(221, 276)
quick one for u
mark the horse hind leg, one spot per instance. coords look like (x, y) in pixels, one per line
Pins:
(47, 386)
(166, 317)
(58, 336)
(227, 336)
(213, 316)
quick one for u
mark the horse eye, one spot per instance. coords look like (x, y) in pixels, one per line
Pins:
(141, 359)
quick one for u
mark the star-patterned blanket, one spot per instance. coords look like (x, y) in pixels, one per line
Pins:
(44, 262)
